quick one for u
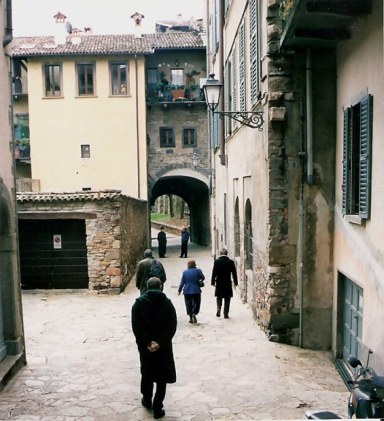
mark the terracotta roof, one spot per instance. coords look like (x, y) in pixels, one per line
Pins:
(105, 44)
(23, 197)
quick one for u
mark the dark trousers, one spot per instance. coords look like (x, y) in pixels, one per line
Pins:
(227, 302)
(184, 249)
(192, 303)
(147, 392)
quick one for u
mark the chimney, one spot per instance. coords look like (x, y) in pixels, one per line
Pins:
(137, 18)
(60, 32)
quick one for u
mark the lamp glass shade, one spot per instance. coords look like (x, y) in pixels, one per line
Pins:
(212, 90)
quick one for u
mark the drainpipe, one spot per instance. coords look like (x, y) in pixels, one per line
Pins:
(221, 77)
(300, 245)
(8, 23)
(137, 128)
(308, 77)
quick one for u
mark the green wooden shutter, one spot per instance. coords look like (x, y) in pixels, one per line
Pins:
(346, 161)
(253, 51)
(365, 156)
(242, 67)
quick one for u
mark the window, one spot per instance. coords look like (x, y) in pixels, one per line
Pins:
(177, 77)
(119, 78)
(22, 141)
(85, 77)
(52, 78)
(189, 138)
(357, 138)
(85, 151)
(166, 137)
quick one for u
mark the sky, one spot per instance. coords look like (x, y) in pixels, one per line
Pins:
(35, 17)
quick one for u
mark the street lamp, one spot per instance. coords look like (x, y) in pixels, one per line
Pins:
(212, 90)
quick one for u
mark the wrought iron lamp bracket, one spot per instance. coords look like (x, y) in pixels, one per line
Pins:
(253, 119)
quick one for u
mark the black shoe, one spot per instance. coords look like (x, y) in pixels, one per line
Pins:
(158, 414)
(146, 403)
(218, 313)
(194, 318)
(226, 316)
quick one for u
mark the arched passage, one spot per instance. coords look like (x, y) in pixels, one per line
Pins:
(193, 188)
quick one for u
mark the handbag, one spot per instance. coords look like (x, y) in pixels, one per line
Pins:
(202, 277)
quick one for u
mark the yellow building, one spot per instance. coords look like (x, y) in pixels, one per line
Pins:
(86, 106)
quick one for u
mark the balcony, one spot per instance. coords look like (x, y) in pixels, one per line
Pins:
(165, 93)
(322, 23)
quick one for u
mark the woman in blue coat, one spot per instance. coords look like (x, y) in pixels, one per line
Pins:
(191, 287)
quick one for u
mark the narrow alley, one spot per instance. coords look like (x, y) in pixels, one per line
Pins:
(83, 362)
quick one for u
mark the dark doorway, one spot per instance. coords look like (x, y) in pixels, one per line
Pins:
(53, 254)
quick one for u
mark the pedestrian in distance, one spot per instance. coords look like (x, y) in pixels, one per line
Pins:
(162, 240)
(223, 272)
(184, 242)
(147, 268)
(154, 323)
(191, 282)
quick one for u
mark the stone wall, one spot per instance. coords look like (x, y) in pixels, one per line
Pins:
(134, 235)
(116, 231)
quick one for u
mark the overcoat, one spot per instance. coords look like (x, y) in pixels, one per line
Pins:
(143, 273)
(223, 269)
(154, 319)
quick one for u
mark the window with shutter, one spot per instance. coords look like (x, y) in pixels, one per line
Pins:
(357, 139)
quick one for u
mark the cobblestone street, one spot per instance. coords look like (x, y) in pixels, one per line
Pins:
(83, 362)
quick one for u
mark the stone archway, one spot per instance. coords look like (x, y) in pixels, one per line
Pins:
(193, 188)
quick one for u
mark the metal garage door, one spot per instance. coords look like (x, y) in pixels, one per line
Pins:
(53, 254)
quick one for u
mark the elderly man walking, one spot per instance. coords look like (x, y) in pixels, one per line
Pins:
(224, 270)
(154, 324)
(147, 268)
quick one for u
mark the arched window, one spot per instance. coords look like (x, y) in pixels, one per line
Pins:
(237, 228)
(248, 237)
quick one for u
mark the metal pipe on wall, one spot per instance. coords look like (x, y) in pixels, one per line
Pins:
(309, 113)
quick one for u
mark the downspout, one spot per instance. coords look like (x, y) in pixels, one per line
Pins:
(221, 77)
(300, 246)
(8, 23)
(308, 79)
(137, 128)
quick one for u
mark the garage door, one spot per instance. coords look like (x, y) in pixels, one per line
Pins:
(53, 254)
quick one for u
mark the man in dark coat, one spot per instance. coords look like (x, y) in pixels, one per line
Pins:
(143, 271)
(162, 239)
(154, 323)
(223, 269)
(184, 242)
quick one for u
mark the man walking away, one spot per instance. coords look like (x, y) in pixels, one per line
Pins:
(223, 269)
(162, 240)
(154, 324)
(146, 268)
(184, 242)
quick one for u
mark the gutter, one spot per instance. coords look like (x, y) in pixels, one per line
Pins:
(8, 24)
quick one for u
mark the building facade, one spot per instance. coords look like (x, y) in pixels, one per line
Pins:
(272, 213)
(301, 214)
(12, 345)
(90, 120)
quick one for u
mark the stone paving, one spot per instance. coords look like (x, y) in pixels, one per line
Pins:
(83, 362)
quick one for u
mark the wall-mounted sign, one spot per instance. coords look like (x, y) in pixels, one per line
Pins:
(57, 241)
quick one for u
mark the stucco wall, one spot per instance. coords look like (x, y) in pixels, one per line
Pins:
(359, 250)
